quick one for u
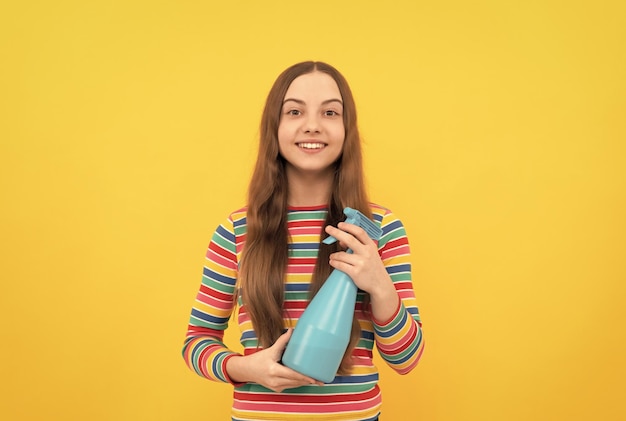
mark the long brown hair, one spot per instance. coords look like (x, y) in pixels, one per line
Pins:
(265, 253)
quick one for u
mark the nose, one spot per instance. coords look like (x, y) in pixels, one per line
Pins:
(312, 124)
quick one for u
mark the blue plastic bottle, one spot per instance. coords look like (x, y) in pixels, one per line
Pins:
(322, 334)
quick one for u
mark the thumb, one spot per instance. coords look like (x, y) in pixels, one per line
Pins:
(282, 340)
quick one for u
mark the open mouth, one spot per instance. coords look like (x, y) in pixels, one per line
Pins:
(311, 145)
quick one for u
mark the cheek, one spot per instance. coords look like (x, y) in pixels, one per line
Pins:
(283, 138)
(284, 132)
(340, 133)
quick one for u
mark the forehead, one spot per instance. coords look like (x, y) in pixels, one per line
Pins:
(313, 86)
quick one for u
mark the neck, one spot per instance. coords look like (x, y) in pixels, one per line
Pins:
(309, 189)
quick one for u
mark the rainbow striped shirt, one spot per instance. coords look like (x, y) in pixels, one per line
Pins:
(352, 397)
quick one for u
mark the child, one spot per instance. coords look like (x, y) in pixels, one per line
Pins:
(267, 261)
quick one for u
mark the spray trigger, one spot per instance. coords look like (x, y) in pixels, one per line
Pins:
(355, 217)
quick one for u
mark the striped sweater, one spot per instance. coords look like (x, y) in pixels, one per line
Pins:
(351, 397)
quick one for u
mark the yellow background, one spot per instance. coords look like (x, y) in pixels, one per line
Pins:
(494, 129)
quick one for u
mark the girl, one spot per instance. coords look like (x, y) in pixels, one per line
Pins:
(267, 261)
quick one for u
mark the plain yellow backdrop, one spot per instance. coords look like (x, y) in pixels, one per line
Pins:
(494, 129)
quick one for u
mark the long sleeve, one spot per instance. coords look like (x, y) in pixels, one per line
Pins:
(399, 339)
(204, 350)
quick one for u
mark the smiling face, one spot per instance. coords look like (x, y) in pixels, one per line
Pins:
(311, 132)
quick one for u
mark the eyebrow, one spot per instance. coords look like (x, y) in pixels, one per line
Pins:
(299, 101)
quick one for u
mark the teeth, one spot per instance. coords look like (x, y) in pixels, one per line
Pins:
(311, 145)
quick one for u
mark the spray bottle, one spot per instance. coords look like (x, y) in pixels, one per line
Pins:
(322, 334)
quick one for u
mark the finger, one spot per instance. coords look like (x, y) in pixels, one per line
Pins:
(296, 378)
(288, 375)
(342, 265)
(279, 346)
(356, 231)
(345, 239)
(283, 339)
(342, 256)
(291, 374)
(282, 384)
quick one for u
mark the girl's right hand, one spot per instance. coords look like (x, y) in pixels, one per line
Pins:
(264, 368)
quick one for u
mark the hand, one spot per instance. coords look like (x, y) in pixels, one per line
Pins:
(364, 267)
(263, 367)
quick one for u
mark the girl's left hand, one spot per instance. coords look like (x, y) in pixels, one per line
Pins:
(364, 265)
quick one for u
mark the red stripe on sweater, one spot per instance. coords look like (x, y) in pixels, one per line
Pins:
(221, 251)
(287, 397)
(215, 293)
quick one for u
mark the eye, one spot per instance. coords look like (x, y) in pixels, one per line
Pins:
(331, 113)
(294, 112)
